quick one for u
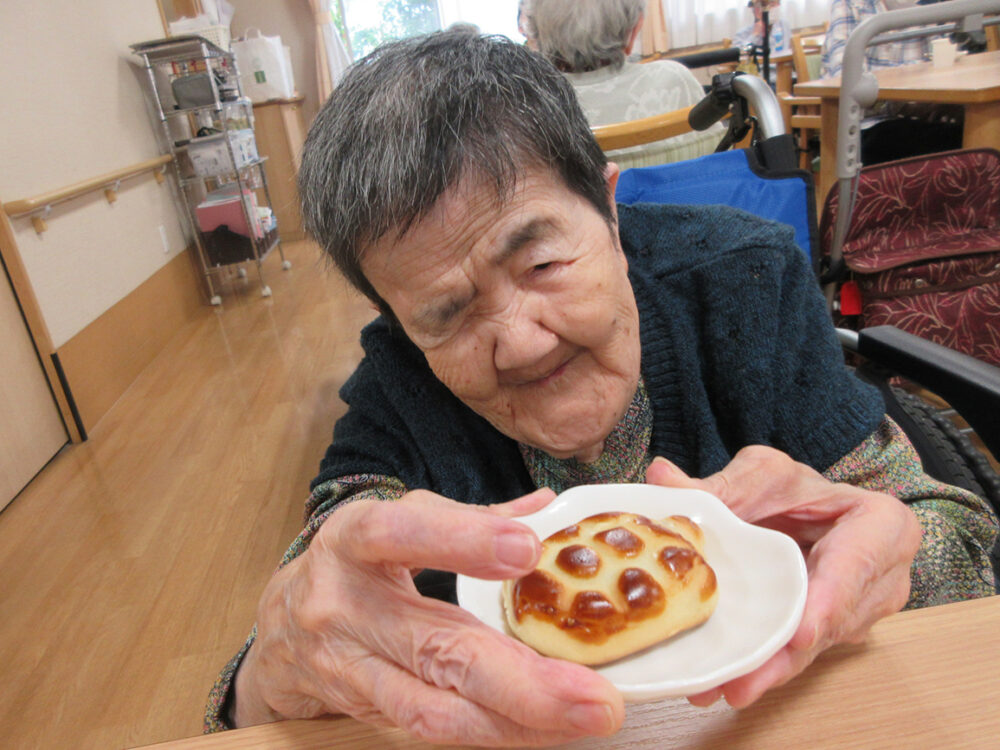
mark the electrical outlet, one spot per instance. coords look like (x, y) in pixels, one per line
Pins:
(163, 239)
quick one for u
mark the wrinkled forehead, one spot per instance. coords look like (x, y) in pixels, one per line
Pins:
(473, 205)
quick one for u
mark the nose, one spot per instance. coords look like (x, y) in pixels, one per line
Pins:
(523, 340)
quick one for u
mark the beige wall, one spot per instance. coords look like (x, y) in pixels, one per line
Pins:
(73, 109)
(292, 21)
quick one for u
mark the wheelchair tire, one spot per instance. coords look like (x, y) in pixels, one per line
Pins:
(947, 454)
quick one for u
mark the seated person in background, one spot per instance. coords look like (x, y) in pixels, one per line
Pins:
(845, 15)
(535, 336)
(753, 33)
(589, 40)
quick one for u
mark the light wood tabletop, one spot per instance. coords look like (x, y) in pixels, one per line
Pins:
(924, 679)
(972, 81)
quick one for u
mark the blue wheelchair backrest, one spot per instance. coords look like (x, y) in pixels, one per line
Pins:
(732, 178)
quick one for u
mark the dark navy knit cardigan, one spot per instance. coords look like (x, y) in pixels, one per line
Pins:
(737, 349)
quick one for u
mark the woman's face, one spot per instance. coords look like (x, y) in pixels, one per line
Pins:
(523, 309)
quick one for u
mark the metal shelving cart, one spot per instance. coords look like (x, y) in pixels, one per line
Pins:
(206, 124)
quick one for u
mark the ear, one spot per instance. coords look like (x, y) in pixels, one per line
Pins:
(633, 35)
(611, 173)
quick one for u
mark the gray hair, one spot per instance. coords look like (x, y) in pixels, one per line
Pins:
(412, 118)
(580, 35)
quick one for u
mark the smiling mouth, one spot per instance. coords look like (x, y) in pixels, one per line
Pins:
(552, 376)
(547, 377)
(539, 377)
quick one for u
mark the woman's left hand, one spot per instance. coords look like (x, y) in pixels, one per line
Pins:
(858, 546)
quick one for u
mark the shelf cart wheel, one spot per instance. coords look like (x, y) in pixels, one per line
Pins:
(286, 264)
(216, 300)
(242, 272)
(265, 292)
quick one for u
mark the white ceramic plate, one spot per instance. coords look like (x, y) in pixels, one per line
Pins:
(762, 590)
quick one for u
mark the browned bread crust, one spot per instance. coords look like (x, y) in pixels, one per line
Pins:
(611, 585)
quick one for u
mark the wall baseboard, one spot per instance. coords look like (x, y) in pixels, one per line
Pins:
(102, 360)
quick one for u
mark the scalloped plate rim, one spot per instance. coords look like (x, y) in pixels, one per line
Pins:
(636, 676)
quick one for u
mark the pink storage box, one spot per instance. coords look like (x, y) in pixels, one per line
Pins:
(223, 208)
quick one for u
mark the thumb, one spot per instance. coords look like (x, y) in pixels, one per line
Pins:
(523, 505)
(667, 474)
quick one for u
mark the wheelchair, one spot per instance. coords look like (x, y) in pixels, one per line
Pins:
(763, 178)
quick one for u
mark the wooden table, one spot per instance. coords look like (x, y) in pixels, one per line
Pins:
(925, 678)
(972, 81)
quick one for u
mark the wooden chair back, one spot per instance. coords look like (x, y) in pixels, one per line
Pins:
(645, 130)
(802, 113)
(806, 56)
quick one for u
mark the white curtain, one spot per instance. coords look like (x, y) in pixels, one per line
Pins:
(801, 13)
(331, 57)
(655, 34)
(691, 22)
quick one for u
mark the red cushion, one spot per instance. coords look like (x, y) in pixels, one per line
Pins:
(926, 207)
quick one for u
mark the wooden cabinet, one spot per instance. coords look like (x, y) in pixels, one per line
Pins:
(281, 131)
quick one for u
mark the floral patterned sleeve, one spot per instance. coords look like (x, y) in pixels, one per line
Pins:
(326, 498)
(959, 528)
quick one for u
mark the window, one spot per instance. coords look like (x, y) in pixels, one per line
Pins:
(494, 17)
(365, 24)
(368, 23)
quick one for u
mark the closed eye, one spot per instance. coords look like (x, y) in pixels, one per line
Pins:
(439, 319)
(550, 268)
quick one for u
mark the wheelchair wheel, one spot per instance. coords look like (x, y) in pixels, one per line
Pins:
(947, 454)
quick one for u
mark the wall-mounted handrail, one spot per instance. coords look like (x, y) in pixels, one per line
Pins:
(109, 182)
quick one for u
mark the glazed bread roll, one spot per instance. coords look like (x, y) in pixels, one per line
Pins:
(611, 585)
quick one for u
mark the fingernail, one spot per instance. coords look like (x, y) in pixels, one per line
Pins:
(808, 640)
(706, 699)
(592, 718)
(517, 549)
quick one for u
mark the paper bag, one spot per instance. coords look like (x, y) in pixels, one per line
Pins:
(265, 67)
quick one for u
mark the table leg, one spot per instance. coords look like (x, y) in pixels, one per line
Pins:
(982, 125)
(783, 76)
(783, 85)
(829, 114)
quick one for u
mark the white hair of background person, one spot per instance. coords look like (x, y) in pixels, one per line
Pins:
(582, 35)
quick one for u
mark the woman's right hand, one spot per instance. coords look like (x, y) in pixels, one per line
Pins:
(342, 629)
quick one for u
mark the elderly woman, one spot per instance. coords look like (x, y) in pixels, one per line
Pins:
(533, 337)
(589, 41)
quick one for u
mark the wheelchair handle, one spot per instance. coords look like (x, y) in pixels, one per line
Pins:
(764, 103)
(726, 89)
(712, 57)
(709, 110)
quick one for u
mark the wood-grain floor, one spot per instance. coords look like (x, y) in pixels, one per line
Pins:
(129, 569)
